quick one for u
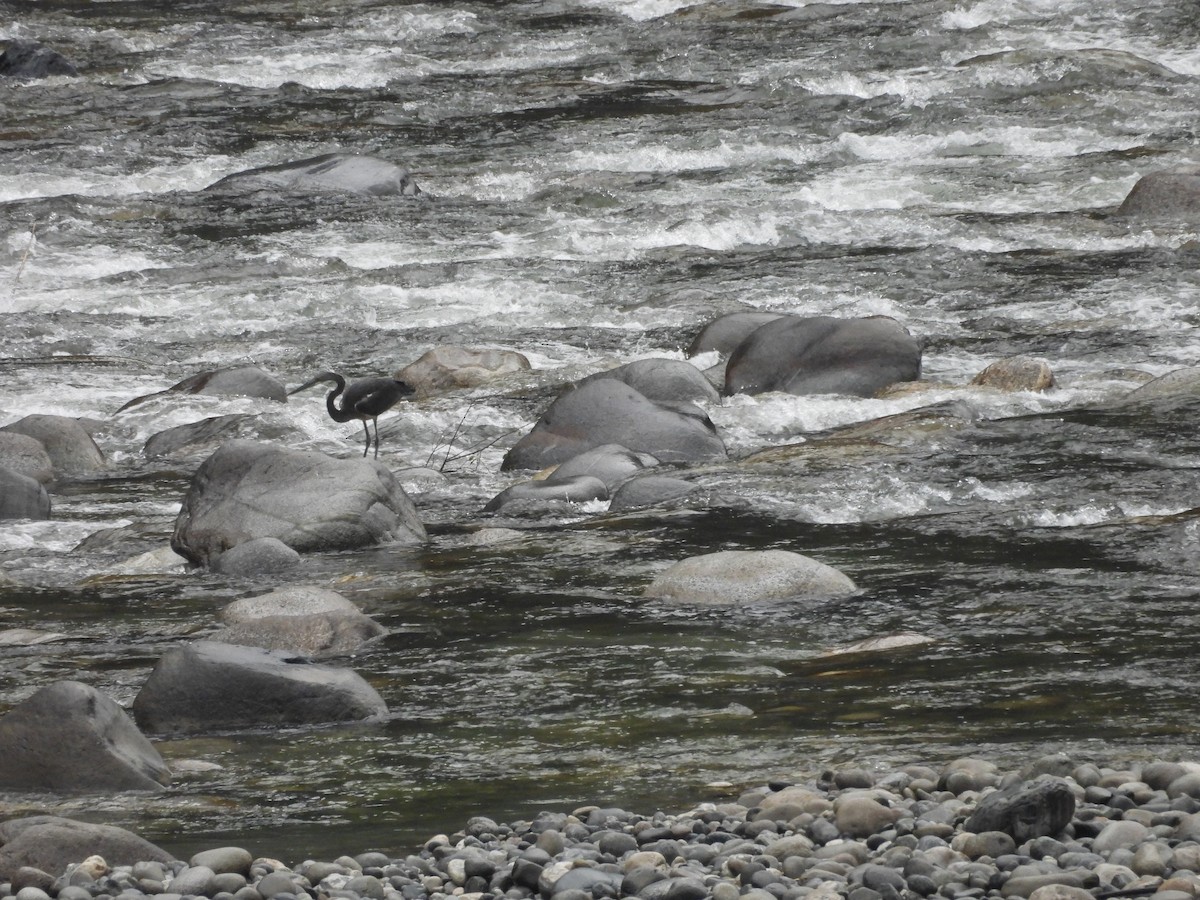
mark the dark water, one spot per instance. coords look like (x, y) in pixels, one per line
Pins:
(606, 177)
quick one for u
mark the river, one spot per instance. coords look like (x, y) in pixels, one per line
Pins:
(602, 178)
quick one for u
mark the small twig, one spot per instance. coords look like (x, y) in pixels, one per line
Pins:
(28, 249)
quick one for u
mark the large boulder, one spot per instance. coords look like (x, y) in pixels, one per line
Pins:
(308, 620)
(29, 59)
(232, 381)
(210, 686)
(69, 445)
(307, 500)
(52, 843)
(724, 333)
(196, 438)
(824, 355)
(448, 367)
(26, 456)
(737, 577)
(663, 380)
(1164, 195)
(607, 411)
(69, 738)
(22, 497)
(335, 172)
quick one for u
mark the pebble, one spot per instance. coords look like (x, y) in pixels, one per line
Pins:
(848, 835)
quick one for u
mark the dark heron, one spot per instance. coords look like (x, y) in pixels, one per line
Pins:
(368, 398)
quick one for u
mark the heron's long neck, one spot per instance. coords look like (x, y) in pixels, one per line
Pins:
(335, 412)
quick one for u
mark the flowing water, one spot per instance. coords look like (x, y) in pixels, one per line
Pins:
(606, 176)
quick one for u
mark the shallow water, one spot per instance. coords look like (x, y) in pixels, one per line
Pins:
(605, 177)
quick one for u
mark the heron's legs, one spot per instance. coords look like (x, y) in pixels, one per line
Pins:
(367, 432)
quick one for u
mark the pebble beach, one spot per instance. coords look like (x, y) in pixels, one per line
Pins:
(901, 834)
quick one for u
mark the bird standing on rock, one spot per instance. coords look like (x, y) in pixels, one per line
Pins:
(367, 398)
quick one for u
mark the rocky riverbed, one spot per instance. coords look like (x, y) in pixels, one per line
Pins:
(1060, 829)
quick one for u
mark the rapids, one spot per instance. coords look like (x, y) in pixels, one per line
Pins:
(604, 177)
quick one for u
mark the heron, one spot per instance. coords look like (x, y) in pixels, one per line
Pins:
(366, 398)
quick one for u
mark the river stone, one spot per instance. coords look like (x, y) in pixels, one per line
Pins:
(51, 843)
(734, 577)
(193, 881)
(1016, 373)
(29, 59)
(607, 411)
(69, 445)
(860, 814)
(26, 456)
(1159, 775)
(293, 600)
(1164, 195)
(308, 500)
(649, 490)
(334, 172)
(1183, 382)
(22, 497)
(611, 463)
(663, 381)
(260, 556)
(68, 738)
(1024, 811)
(448, 367)
(824, 355)
(196, 437)
(224, 860)
(230, 381)
(724, 333)
(209, 686)
(1115, 835)
(579, 489)
(319, 634)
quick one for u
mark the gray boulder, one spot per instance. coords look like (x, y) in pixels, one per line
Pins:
(261, 556)
(1016, 373)
(307, 500)
(210, 686)
(26, 456)
(611, 463)
(233, 381)
(1025, 811)
(308, 620)
(649, 490)
(663, 381)
(69, 738)
(52, 843)
(1164, 195)
(737, 577)
(29, 59)
(22, 497)
(824, 355)
(335, 172)
(577, 489)
(606, 411)
(1176, 384)
(195, 437)
(448, 367)
(69, 445)
(725, 333)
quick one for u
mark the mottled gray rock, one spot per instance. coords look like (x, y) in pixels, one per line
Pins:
(578, 489)
(1183, 382)
(332, 172)
(1025, 811)
(663, 381)
(607, 411)
(649, 490)
(824, 355)
(196, 437)
(307, 500)
(231, 381)
(448, 368)
(51, 843)
(308, 620)
(1164, 195)
(861, 814)
(29, 59)
(1016, 373)
(22, 497)
(222, 860)
(293, 600)
(734, 577)
(209, 686)
(611, 463)
(26, 456)
(68, 738)
(69, 445)
(260, 556)
(724, 333)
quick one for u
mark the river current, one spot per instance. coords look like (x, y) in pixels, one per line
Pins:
(603, 178)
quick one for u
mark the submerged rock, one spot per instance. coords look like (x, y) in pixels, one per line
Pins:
(1016, 373)
(29, 59)
(1164, 195)
(339, 172)
(734, 577)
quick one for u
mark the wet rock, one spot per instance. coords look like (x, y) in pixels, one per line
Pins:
(649, 490)
(23, 455)
(69, 445)
(1025, 811)
(1164, 195)
(448, 368)
(52, 843)
(1177, 383)
(260, 556)
(209, 686)
(29, 59)
(232, 381)
(725, 333)
(589, 476)
(68, 738)
(195, 437)
(578, 489)
(824, 355)
(307, 620)
(663, 381)
(733, 577)
(1016, 373)
(334, 172)
(223, 860)
(606, 411)
(22, 497)
(307, 500)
